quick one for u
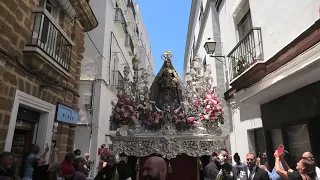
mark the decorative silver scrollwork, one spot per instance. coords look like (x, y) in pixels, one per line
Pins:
(167, 146)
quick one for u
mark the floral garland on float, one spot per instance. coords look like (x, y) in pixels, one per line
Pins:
(124, 112)
(200, 107)
(202, 101)
(182, 121)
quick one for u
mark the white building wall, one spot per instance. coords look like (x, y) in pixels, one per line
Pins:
(281, 22)
(200, 31)
(107, 44)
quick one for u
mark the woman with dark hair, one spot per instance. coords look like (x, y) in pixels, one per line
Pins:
(238, 167)
(42, 171)
(305, 169)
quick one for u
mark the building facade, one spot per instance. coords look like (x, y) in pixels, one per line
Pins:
(110, 47)
(272, 50)
(41, 49)
(204, 27)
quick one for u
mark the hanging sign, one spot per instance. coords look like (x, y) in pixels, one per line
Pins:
(66, 114)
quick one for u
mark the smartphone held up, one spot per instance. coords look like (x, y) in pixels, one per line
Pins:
(280, 149)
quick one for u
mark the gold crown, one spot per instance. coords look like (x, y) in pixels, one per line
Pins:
(167, 55)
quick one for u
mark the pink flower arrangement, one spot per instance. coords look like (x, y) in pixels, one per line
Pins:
(181, 120)
(124, 112)
(209, 108)
(155, 120)
(212, 108)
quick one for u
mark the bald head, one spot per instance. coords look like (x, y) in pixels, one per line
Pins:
(155, 168)
(308, 155)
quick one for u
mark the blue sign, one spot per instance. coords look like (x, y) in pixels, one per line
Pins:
(67, 115)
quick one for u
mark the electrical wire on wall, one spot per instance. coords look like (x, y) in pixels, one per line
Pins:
(34, 74)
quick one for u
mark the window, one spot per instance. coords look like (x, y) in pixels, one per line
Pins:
(119, 18)
(193, 46)
(137, 31)
(48, 35)
(131, 5)
(52, 8)
(245, 25)
(201, 11)
(204, 63)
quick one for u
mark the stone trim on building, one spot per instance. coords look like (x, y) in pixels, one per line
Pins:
(39, 82)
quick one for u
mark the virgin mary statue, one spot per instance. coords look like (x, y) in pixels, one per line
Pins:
(166, 89)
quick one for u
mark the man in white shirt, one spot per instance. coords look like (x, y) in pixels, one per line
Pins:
(310, 156)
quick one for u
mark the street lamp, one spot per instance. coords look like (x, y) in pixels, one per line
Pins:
(210, 47)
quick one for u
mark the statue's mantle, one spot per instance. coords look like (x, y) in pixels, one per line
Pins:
(169, 146)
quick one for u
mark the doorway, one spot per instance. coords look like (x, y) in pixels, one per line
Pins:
(24, 136)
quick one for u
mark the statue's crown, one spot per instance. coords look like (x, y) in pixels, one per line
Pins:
(167, 55)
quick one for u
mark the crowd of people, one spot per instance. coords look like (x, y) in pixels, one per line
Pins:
(76, 167)
(220, 167)
(34, 166)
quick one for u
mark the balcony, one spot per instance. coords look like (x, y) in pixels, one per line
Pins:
(247, 52)
(48, 45)
(119, 18)
(116, 80)
(129, 44)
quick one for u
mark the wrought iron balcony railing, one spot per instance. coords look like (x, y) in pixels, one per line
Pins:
(248, 51)
(48, 37)
(117, 79)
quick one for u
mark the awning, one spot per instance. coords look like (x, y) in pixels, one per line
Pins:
(67, 8)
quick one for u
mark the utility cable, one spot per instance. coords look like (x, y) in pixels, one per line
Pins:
(94, 45)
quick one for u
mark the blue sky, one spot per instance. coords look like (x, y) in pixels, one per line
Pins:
(167, 25)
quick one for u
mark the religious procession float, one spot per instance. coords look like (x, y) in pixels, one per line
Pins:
(177, 120)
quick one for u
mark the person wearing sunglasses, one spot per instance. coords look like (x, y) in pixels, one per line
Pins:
(305, 169)
(310, 156)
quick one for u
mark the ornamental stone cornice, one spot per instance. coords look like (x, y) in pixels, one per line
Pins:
(87, 18)
(169, 146)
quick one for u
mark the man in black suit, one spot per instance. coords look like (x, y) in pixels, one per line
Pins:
(219, 167)
(253, 172)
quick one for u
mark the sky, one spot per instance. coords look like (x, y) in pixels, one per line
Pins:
(166, 22)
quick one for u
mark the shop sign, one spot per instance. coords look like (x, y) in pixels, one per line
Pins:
(66, 114)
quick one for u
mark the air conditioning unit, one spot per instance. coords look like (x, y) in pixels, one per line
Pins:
(87, 99)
